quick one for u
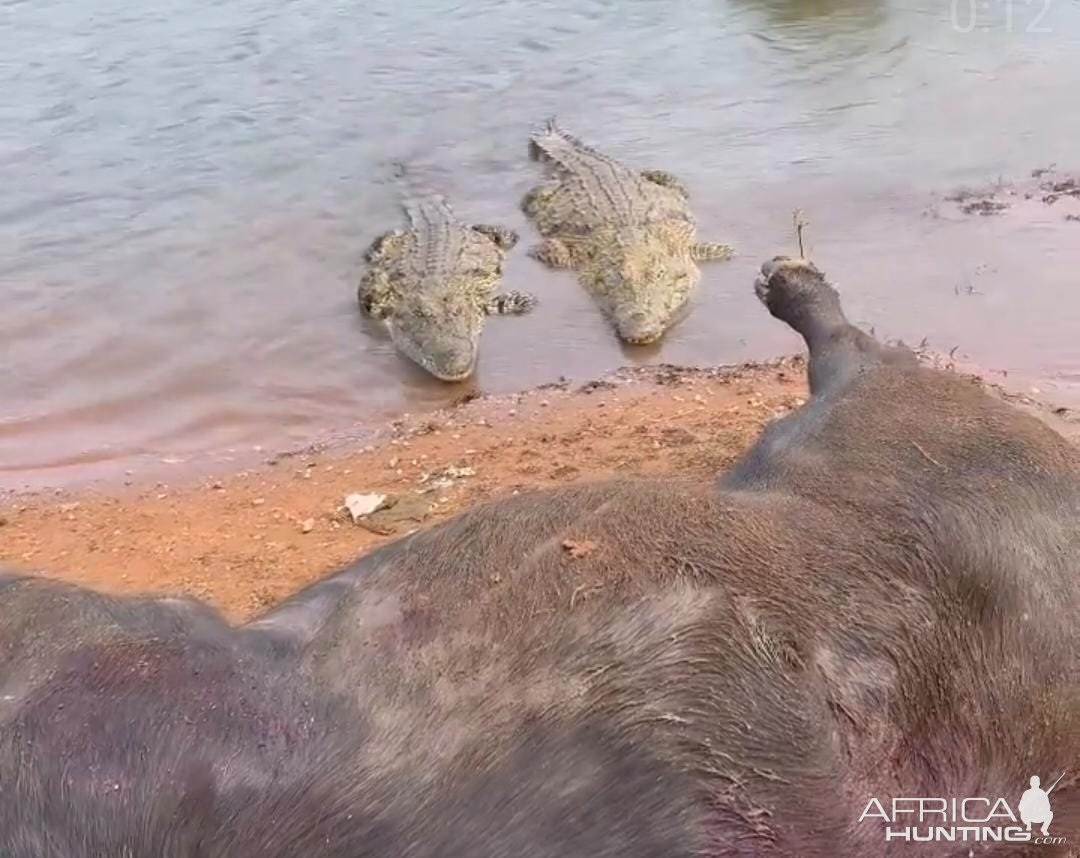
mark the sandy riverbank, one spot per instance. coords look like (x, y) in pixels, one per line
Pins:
(246, 541)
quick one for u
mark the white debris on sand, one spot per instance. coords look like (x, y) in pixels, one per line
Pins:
(360, 505)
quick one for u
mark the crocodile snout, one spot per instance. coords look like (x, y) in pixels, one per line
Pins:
(448, 358)
(452, 363)
(640, 329)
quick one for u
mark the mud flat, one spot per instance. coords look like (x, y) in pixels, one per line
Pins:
(245, 541)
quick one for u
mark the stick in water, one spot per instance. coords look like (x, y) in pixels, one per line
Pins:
(800, 222)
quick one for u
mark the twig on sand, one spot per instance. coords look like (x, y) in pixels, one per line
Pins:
(799, 221)
(584, 590)
(927, 456)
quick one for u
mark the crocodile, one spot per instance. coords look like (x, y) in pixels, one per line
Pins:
(629, 234)
(434, 284)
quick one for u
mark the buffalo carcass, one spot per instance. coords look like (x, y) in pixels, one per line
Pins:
(878, 602)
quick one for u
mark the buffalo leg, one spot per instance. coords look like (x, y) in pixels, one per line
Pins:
(796, 292)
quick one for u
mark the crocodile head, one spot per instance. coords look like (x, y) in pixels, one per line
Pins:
(439, 332)
(433, 290)
(646, 288)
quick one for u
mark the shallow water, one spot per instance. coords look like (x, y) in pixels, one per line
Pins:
(188, 188)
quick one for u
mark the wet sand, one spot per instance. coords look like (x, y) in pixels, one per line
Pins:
(245, 541)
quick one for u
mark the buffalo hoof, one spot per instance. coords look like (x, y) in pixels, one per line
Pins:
(796, 292)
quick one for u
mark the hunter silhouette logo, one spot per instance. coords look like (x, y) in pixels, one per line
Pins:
(976, 819)
(1034, 805)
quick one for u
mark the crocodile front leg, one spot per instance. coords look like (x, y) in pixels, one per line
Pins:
(537, 198)
(666, 180)
(504, 238)
(711, 251)
(387, 244)
(553, 252)
(512, 303)
(375, 294)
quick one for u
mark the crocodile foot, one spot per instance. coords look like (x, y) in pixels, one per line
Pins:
(503, 237)
(666, 180)
(553, 253)
(711, 251)
(512, 303)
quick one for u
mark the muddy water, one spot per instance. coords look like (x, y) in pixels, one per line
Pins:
(186, 189)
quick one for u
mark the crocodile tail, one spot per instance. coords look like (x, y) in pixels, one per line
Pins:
(427, 209)
(424, 207)
(545, 143)
(553, 144)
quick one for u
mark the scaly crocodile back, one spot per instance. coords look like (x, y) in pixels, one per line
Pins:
(597, 185)
(439, 235)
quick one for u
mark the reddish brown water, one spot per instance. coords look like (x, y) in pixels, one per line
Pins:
(187, 191)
